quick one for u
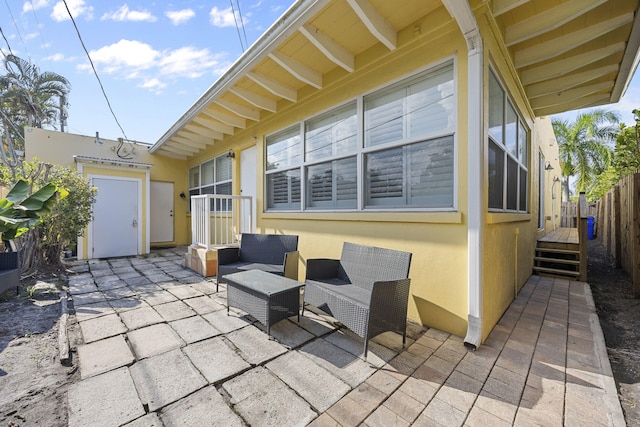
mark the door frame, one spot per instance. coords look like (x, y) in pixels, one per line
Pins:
(138, 182)
(173, 210)
(115, 168)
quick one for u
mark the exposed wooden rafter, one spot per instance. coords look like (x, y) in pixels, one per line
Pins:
(585, 102)
(213, 124)
(300, 71)
(332, 50)
(241, 110)
(549, 20)
(375, 23)
(276, 88)
(254, 99)
(203, 131)
(569, 95)
(567, 82)
(504, 6)
(565, 43)
(564, 66)
(229, 119)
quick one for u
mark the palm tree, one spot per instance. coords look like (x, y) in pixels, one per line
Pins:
(41, 97)
(585, 147)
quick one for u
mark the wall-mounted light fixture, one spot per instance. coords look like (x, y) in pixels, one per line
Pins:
(548, 166)
(183, 196)
(231, 154)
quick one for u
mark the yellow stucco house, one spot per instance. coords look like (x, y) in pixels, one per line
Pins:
(419, 125)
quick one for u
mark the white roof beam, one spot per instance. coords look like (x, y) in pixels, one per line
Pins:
(275, 87)
(375, 23)
(565, 43)
(241, 110)
(229, 119)
(208, 133)
(171, 154)
(587, 101)
(254, 99)
(568, 81)
(332, 50)
(195, 138)
(176, 150)
(563, 66)
(548, 20)
(298, 70)
(570, 95)
(214, 125)
(188, 141)
(189, 151)
(504, 6)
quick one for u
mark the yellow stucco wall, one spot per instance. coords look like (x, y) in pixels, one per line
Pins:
(59, 148)
(510, 239)
(437, 240)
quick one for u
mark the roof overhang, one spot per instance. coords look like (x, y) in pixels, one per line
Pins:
(111, 162)
(567, 55)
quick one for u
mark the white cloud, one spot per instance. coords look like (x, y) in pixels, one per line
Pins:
(77, 8)
(178, 17)
(56, 57)
(135, 60)
(124, 56)
(153, 84)
(224, 18)
(30, 5)
(126, 14)
(188, 62)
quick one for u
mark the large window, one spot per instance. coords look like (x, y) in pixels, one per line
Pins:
(391, 149)
(211, 177)
(508, 153)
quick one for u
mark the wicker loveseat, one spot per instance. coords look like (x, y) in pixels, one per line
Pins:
(9, 271)
(367, 289)
(273, 253)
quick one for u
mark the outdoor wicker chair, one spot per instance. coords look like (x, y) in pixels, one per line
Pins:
(9, 271)
(273, 253)
(367, 289)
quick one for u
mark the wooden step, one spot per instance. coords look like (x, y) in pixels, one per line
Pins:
(557, 251)
(557, 260)
(556, 271)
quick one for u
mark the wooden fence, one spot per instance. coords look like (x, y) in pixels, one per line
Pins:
(617, 226)
(569, 214)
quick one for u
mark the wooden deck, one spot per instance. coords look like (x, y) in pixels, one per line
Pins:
(562, 235)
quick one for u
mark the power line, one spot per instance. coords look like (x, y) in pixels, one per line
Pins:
(95, 72)
(246, 42)
(17, 29)
(233, 12)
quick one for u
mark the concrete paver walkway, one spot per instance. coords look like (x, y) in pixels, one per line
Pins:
(160, 350)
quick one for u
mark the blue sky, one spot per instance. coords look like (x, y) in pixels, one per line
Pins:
(155, 58)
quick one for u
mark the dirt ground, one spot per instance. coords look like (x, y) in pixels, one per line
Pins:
(33, 382)
(619, 315)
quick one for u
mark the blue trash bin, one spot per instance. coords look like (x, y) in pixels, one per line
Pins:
(590, 224)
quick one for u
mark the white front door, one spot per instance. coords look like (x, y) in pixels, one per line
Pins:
(116, 216)
(161, 211)
(248, 184)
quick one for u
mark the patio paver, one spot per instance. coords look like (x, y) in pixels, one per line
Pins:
(544, 363)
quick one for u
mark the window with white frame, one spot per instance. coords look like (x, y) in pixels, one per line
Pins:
(211, 177)
(391, 149)
(508, 153)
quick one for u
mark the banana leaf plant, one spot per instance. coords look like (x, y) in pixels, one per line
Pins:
(21, 211)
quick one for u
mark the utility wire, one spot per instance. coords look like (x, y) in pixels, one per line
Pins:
(17, 29)
(95, 72)
(233, 12)
(246, 42)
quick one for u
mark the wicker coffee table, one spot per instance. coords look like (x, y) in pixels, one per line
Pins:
(266, 296)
